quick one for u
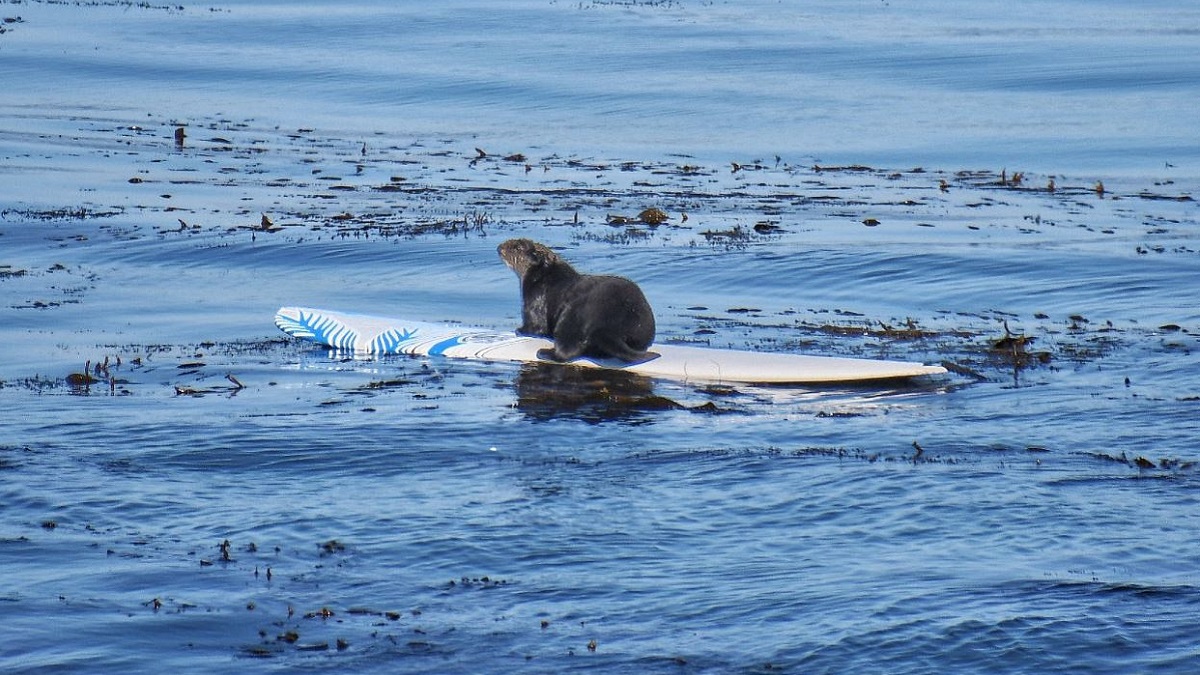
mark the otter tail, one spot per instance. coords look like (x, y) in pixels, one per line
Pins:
(614, 347)
(610, 348)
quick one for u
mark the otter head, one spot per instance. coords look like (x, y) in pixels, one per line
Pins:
(522, 255)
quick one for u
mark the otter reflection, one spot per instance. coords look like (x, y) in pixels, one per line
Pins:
(547, 391)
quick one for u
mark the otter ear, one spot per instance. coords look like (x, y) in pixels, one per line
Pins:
(540, 255)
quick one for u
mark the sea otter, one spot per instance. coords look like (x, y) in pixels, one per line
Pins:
(585, 314)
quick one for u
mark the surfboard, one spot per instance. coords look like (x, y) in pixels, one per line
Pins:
(363, 334)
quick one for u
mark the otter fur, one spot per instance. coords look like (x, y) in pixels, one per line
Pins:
(585, 314)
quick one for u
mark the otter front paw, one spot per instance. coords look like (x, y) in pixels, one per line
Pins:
(549, 355)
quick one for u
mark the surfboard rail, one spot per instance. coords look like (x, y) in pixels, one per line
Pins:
(365, 334)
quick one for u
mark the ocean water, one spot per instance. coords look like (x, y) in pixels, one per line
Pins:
(1009, 191)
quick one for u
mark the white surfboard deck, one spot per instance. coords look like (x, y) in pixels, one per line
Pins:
(376, 335)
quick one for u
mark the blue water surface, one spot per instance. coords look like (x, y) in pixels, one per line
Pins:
(1006, 191)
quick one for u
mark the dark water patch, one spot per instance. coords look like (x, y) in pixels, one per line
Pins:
(122, 4)
(65, 213)
(1144, 464)
(389, 223)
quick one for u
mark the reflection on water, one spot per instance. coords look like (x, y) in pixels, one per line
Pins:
(548, 392)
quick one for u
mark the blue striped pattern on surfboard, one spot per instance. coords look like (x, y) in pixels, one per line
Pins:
(320, 328)
(328, 330)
